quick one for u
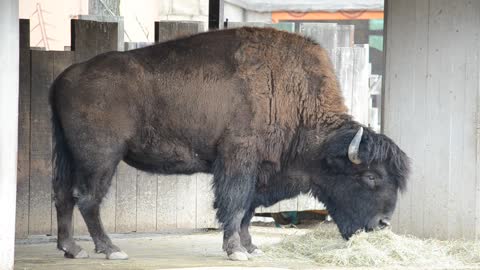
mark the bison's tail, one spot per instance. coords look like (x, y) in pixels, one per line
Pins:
(61, 158)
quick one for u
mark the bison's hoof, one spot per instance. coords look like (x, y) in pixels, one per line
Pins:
(82, 254)
(238, 256)
(257, 252)
(118, 255)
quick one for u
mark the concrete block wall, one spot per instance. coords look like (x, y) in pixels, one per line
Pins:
(235, 13)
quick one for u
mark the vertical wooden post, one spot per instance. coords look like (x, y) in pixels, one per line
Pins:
(9, 128)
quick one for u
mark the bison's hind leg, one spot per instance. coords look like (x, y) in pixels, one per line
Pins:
(94, 183)
(64, 203)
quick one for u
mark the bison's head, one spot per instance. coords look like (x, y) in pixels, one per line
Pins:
(358, 174)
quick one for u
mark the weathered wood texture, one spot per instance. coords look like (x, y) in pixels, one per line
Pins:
(168, 30)
(431, 108)
(40, 209)
(23, 168)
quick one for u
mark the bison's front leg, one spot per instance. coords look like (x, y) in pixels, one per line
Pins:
(234, 185)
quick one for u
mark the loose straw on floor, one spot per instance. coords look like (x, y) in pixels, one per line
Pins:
(324, 246)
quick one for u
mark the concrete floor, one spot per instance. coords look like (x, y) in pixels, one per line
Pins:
(154, 251)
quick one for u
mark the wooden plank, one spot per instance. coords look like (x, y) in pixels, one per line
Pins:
(344, 72)
(40, 213)
(434, 81)
(460, 22)
(412, 218)
(323, 33)
(306, 202)
(186, 201)
(398, 78)
(288, 205)
(24, 28)
(438, 131)
(146, 202)
(90, 38)
(205, 212)
(107, 37)
(361, 90)
(168, 30)
(126, 202)
(23, 157)
(271, 209)
(345, 35)
(83, 40)
(166, 202)
(23, 161)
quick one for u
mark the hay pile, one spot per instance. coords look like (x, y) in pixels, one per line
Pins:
(324, 246)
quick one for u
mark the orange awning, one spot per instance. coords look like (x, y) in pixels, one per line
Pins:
(321, 15)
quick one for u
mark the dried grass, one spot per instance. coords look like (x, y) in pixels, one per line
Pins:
(324, 246)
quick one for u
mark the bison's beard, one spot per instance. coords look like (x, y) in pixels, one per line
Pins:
(347, 225)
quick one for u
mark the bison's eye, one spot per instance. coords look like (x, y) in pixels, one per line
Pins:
(370, 179)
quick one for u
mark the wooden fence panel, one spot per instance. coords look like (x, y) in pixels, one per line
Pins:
(168, 30)
(288, 205)
(205, 213)
(166, 202)
(90, 38)
(40, 213)
(126, 201)
(146, 202)
(23, 170)
(323, 33)
(306, 202)
(186, 201)
(361, 92)
(344, 72)
(345, 35)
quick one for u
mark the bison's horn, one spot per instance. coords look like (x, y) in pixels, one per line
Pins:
(354, 146)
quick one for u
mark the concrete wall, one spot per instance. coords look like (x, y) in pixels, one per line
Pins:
(431, 109)
(9, 56)
(234, 13)
(237, 14)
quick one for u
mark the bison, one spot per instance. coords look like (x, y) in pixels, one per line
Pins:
(260, 109)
